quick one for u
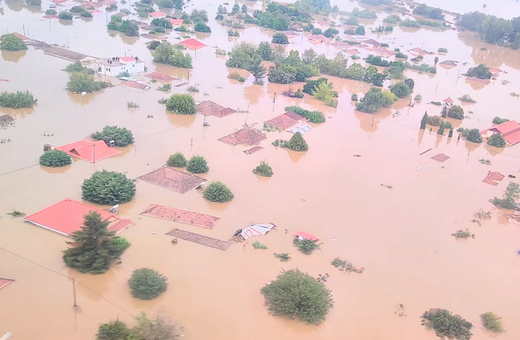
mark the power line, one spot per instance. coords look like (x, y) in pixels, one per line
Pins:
(68, 277)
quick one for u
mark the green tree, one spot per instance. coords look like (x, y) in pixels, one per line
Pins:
(492, 322)
(177, 160)
(297, 143)
(265, 51)
(218, 192)
(161, 22)
(450, 134)
(115, 330)
(456, 112)
(474, 136)
(65, 16)
(375, 99)
(182, 104)
(165, 3)
(352, 20)
(242, 55)
(167, 54)
(263, 170)
(481, 72)
(11, 42)
(121, 136)
(221, 10)
(360, 30)
(410, 83)
(202, 27)
(83, 82)
(78, 67)
(297, 295)
(243, 9)
(256, 69)
(178, 4)
(55, 158)
(447, 325)
(309, 56)
(108, 188)
(199, 15)
(17, 99)
(280, 38)
(497, 140)
(93, 247)
(147, 284)
(424, 120)
(315, 117)
(280, 24)
(158, 328)
(323, 92)
(396, 69)
(197, 165)
(282, 74)
(400, 89)
(441, 129)
(436, 60)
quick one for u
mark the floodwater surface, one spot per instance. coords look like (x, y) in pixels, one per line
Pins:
(402, 236)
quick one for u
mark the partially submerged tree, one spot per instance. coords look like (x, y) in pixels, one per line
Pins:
(158, 328)
(481, 71)
(511, 195)
(82, 82)
(165, 53)
(441, 129)
(497, 140)
(197, 165)
(456, 112)
(257, 70)
(375, 99)
(297, 143)
(264, 170)
(55, 158)
(492, 322)
(177, 160)
(94, 247)
(400, 89)
(119, 135)
(147, 284)
(108, 187)
(218, 192)
(447, 325)
(297, 295)
(280, 38)
(10, 42)
(17, 100)
(182, 104)
(424, 120)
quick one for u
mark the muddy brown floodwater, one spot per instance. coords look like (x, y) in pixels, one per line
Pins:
(400, 235)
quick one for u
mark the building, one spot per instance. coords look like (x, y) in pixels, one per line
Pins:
(113, 67)
(509, 130)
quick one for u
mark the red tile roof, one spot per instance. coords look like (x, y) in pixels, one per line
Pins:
(244, 136)
(176, 22)
(318, 37)
(506, 127)
(282, 122)
(136, 85)
(18, 35)
(210, 108)
(352, 52)
(492, 177)
(127, 59)
(192, 44)
(158, 14)
(448, 100)
(253, 150)
(495, 70)
(173, 179)
(160, 76)
(67, 216)
(181, 216)
(89, 150)
(306, 236)
(200, 239)
(293, 115)
(4, 282)
(512, 137)
(440, 157)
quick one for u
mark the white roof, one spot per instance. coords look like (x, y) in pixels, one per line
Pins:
(303, 129)
(256, 230)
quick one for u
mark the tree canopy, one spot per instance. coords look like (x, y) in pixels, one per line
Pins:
(218, 192)
(375, 99)
(481, 71)
(493, 30)
(497, 140)
(181, 103)
(456, 112)
(447, 325)
(120, 135)
(55, 158)
(400, 89)
(280, 38)
(165, 53)
(82, 82)
(147, 284)
(197, 165)
(108, 187)
(11, 42)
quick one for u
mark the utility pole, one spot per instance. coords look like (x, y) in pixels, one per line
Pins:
(74, 292)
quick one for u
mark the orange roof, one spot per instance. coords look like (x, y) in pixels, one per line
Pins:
(89, 150)
(306, 236)
(318, 37)
(181, 216)
(448, 100)
(127, 59)
(18, 35)
(67, 216)
(494, 70)
(192, 44)
(243, 136)
(210, 108)
(492, 177)
(506, 127)
(173, 179)
(293, 115)
(176, 22)
(160, 76)
(158, 14)
(282, 122)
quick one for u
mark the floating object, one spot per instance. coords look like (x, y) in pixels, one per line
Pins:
(4, 281)
(422, 153)
(357, 155)
(419, 168)
(442, 166)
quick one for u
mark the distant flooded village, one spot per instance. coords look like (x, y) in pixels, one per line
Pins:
(305, 169)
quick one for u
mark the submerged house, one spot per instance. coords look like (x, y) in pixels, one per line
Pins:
(115, 66)
(509, 130)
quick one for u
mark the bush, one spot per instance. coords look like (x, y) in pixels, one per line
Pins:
(467, 99)
(202, 27)
(115, 330)
(183, 104)
(498, 120)
(258, 245)
(82, 82)
(297, 143)
(51, 12)
(218, 192)
(447, 325)
(473, 135)
(17, 99)
(280, 38)
(305, 246)
(177, 160)
(354, 97)
(147, 284)
(11, 42)
(410, 23)
(55, 158)
(434, 120)
(297, 295)
(108, 187)
(197, 165)
(481, 72)
(316, 117)
(400, 89)
(263, 170)
(121, 136)
(492, 322)
(456, 112)
(65, 16)
(78, 67)
(497, 140)
(442, 50)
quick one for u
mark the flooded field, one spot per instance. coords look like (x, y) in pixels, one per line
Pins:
(402, 236)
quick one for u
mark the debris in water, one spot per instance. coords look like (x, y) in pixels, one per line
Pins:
(388, 186)
(357, 155)
(400, 310)
(419, 168)
(346, 266)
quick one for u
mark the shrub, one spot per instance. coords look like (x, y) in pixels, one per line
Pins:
(78, 67)
(497, 140)
(218, 192)
(177, 160)
(354, 97)
(202, 27)
(263, 170)
(65, 16)
(115, 330)
(147, 284)
(442, 50)
(120, 135)
(315, 117)
(11, 42)
(284, 257)
(183, 104)
(305, 246)
(297, 143)
(418, 98)
(280, 38)
(197, 165)
(447, 325)
(498, 120)
(192, 89)
(55, 158)
(464, 234)
(473, 135)
(258, 245)
(108, 187)
(297, 295)
(456, 112)
(82, 82)
(51, 12)
(467, 99)
(233, 33)
(17, 99)
(434, 120)
(492, 322)
(400, 89)
(401, 55)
